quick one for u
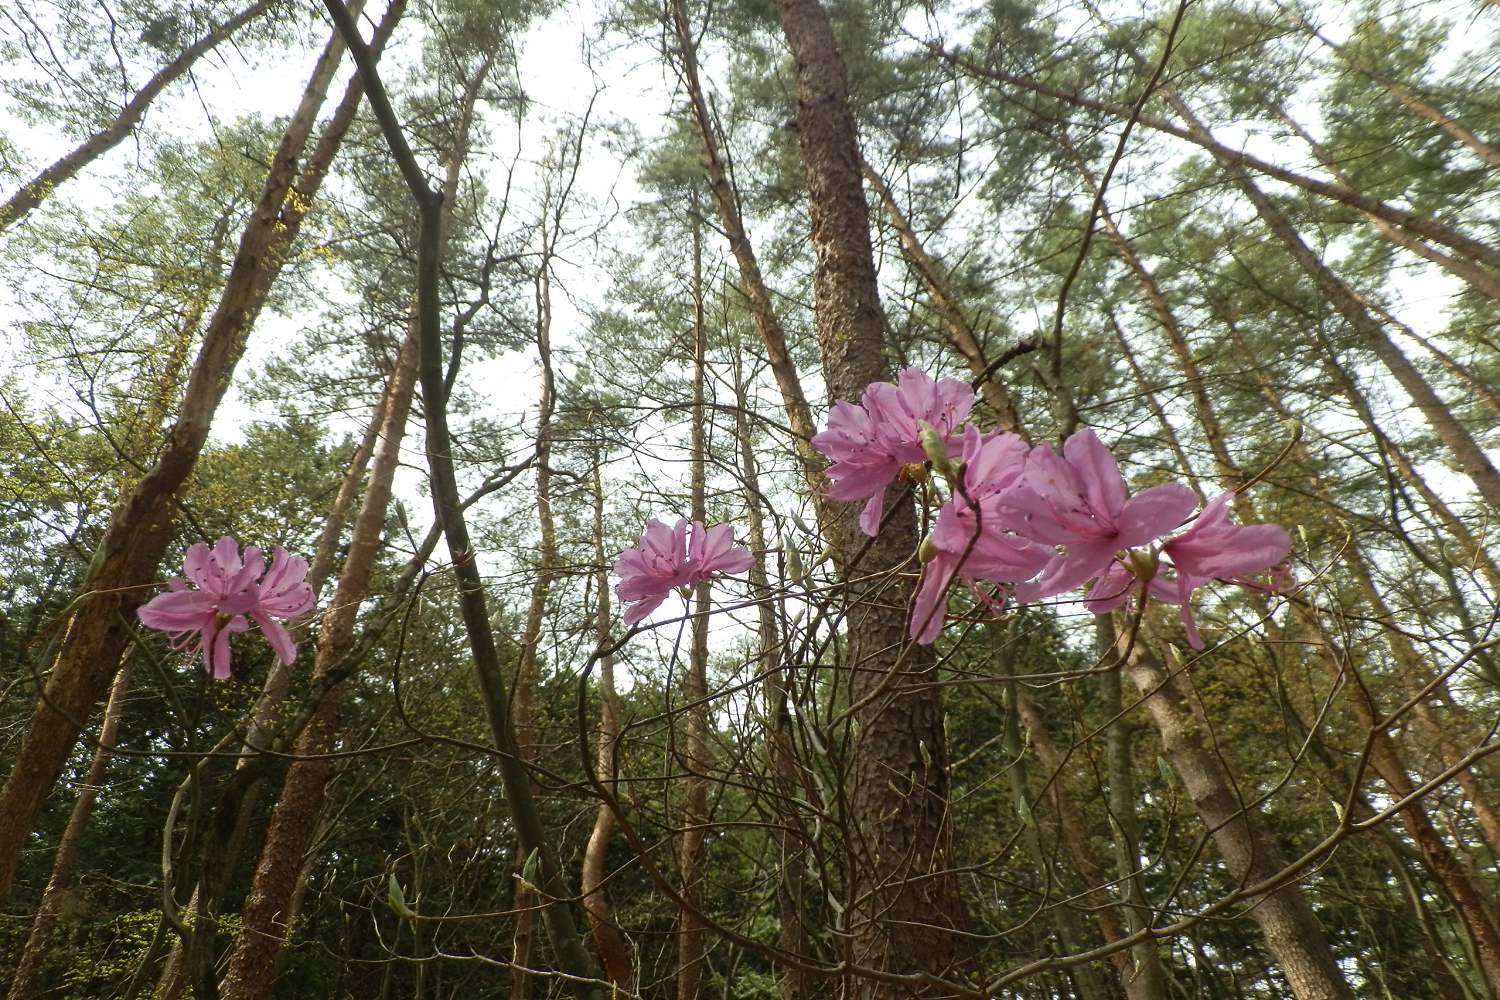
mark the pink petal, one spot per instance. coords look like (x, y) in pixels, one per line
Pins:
(1152, 513)
(279, 638)
(1098, 472)
(927, 610)
(1067, 570)
(644, 607)
(176, 611)
(1111, 590)
(717, 552)
(284, 592)
(216, 656)
(869, 518)
(195, 564)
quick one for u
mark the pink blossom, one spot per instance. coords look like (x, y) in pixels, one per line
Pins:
(1214, 549)
(870, 443)
(1079, 503)
(970, 537)
(229, 588)
(665, 558)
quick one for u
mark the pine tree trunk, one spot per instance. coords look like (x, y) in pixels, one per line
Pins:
(1088, 983)
(791, 890)
(1149, 977)
(536, 611)
(753, 286)
(1141, 980)
(1357, 313)
(67, 849)
(691, 934)
(902, 907)
(613, 954)
(264, 920)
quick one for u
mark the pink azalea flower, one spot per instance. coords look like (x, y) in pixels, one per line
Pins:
(870, 443)
(1079, 503)
(1214, 549)
(970, 537)
(713, 551)
(664, 559)
(229, 588)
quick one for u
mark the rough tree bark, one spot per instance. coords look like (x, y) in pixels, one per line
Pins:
(262, 938)
(902, 907)
(67, 849)
(613, 954)
(753, 286)
(791, 888)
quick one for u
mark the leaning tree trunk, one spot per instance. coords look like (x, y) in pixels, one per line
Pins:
(902, 909)
(144, 522)
(1291, 931)
(265, 918)
(65, 168)
(573, 960)
(752, 283)
(67, 849)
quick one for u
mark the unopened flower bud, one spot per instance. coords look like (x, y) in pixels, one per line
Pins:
(928, 550)
(1144, 563)
(936, 449)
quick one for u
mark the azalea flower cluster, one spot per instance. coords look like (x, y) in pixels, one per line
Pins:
(229, 588)
(666, 559)
(1037, 522)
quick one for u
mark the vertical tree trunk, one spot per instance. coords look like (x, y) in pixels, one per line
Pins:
(541, 588)
(67, 849)
(1140, 977)
(143, 523)
(1292, 934)
(1087, 980)
(902, 908)
(791, 890)
(1387, 763)
(1149, 977)
(752, 284)
(607, 938)
(264, 920)
(690, 931)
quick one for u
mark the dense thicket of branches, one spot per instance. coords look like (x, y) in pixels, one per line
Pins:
(1252, 245)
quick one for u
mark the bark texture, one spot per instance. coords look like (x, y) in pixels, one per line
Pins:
(613, 953)
(265, 918)
(902, 909)
(67, 849)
